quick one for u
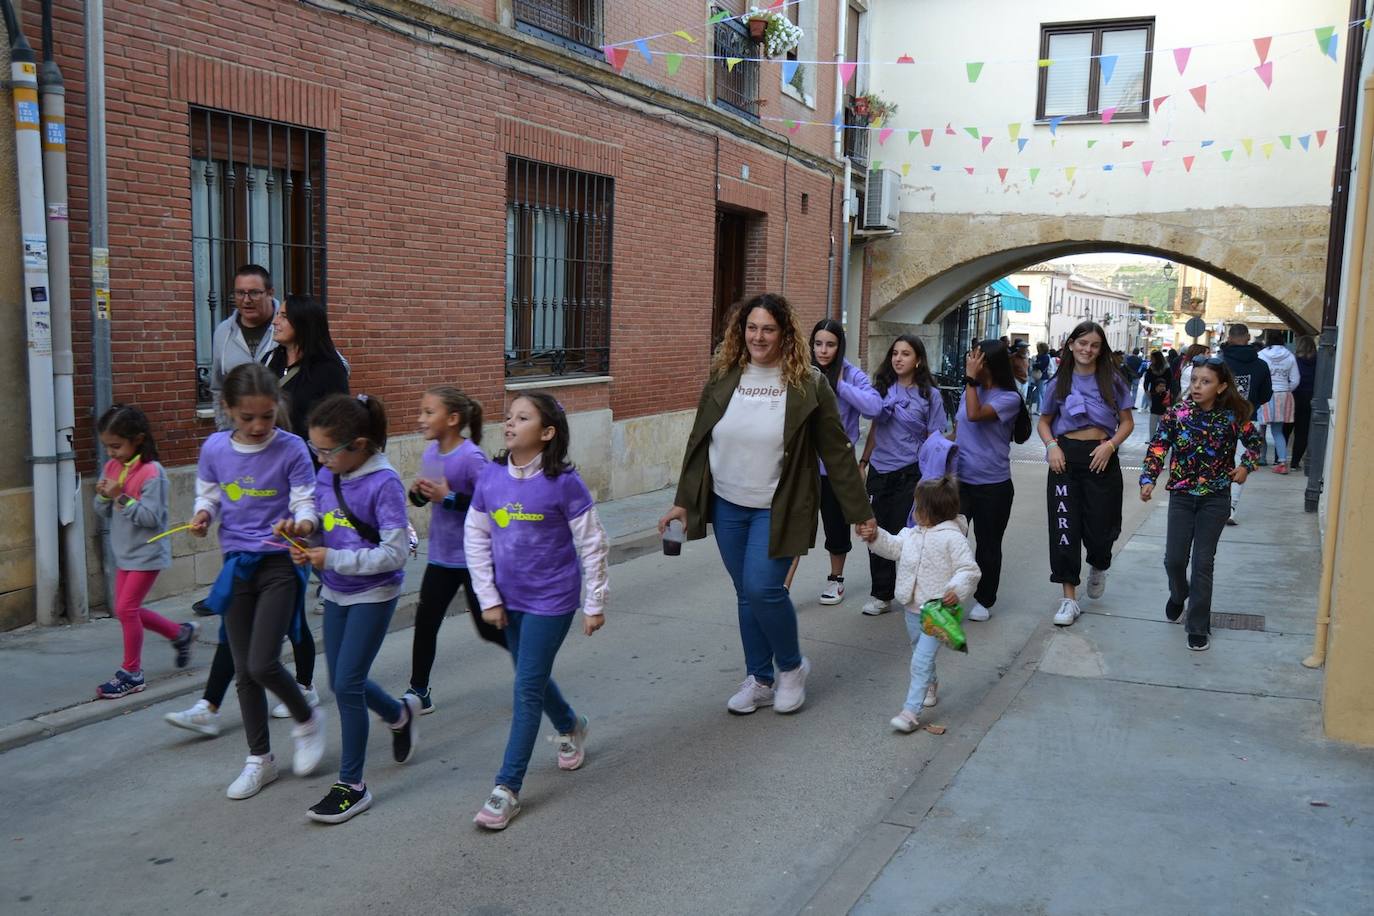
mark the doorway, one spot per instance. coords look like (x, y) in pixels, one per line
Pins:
(731, 231)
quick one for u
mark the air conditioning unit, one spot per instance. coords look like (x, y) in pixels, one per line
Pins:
(882, 200)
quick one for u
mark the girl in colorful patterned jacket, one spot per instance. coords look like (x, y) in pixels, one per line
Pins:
(532, 538)
(365, 539)
(1202, 432)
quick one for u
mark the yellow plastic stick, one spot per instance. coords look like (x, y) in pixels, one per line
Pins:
(158, 537)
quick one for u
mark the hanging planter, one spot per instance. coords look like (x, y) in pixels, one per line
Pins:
(861, 106)
(774, 30)
(873, 106)
(757, 28)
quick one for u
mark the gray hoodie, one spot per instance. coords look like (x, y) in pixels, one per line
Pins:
(133, 521)
(229, 350)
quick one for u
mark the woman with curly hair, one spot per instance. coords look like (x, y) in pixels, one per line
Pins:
(765, 417)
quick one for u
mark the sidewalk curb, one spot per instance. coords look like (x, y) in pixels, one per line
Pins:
(169, 687)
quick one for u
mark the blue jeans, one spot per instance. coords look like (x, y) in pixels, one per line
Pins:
(1280, 443)
(533, 641)
(767, 620)
(353, 635)
(923, 648)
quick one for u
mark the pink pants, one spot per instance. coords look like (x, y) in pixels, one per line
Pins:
(131, 587)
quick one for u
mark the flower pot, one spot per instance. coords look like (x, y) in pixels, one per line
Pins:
(861, 107)
(756, 29)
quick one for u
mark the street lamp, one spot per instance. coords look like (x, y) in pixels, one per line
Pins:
(1168, 271)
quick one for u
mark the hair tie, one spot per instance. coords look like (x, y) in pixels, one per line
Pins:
(363, 398)
(561, 408)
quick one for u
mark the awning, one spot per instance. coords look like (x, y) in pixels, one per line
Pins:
(1012, 300)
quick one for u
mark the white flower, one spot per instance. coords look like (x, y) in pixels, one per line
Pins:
(781, 35)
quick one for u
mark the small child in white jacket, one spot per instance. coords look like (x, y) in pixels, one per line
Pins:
(933, 562)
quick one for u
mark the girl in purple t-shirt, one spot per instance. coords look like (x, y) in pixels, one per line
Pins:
(365, 538)
(449, 469)
(532, 536)
(1085, 415)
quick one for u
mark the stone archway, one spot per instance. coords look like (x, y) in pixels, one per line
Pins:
(1277, 256)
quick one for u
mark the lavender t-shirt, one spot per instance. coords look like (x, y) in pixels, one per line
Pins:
(379, 499)
(985, 448)
(1084, 407)
(856, 397)
(535, 564)
(255, 488)
(908, 417)
(460, 468)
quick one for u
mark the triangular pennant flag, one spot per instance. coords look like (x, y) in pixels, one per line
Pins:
(789, 70)
(972, 132)
(1021, 144)
(1043, 62)
(1321, 138)
(906, 168)
(847, 70)
(1165, 143)
(974, 70)
(1207, 143)
(1199, 94)
(935, 168)
(1324, 35)
(1092, 143)
(1262, 48)
(1054, 124)
(1226, 154)
(1014, 130)
(1305, 139)
(1108, 168)
(1034, 174)
(876, 165)
(911, 136)
(685, 36)
(969, 169)
(1127, 144)
(1181, 58)
(1265, 72)
(643, 47)
(884, 134)
(1159, 100)
(986, 141)
(1146, 166)
(906, 59)
(732, 62)
(949, 130)
(1107, 114)
(674, 61)
(1267, 149)
(793, 127)
(1068, 172)
(1188, 163)
(1249, 146)
(926, 134)
(875, 124)
(1002, 175)
(1331, 46)
(718, 17)
(838, 120)
(1286, 140)
(615, 56)
(1108, 64)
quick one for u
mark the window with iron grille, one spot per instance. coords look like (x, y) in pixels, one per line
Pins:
(558, 270)
(257, 197)
(575, 24)
(737, 87)
(1095, 66)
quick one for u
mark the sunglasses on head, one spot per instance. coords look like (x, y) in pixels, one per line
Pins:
(1201, 360)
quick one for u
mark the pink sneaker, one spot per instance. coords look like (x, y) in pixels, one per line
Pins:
(572, 748)
(501, 808)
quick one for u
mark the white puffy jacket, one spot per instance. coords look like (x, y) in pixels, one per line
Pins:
(1283, 368)
(930, 561)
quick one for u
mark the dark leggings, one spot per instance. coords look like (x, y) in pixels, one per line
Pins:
(222, 667)
(987, 506)
(892, 495)
(437, 590)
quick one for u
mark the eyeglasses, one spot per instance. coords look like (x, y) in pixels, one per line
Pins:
(326, 454)
(1201, 360)
(254, 294)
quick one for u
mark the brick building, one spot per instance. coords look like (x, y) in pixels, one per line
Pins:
(477, 194)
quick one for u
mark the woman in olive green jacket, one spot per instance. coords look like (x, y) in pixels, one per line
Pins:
(751, 470)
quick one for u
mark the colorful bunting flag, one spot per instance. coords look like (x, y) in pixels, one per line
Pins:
(1267, 149)
(1265, 72)
(969, 169)
(685, 36)
(1127, 144)
(1092, 143)
(1146, 166)
(674, 61)
(1262, 48)
(1021, 144)
(1199, 94)
(1286, 140)
(935, 168)
(732, 62)
(972, 132)
(615, 56)
(1043, 62)
(1331, 46)
(1069, 172)
(718, 17)
(1226, 154)
(1305, 139)
(793, 127)
(1014, 130)
(1034, 174)
(1165, 143)
(1002, 175)
(838, 121)
(1054, 124)
(883, 135)
(1108, 167)
(643, 47)
(1249, 146)
(926, 134)
(1159, 100)
(986, 141)
(847, 69)
(906, 59)
(974, 70)
(1181, 58)
(1321, 138)
(1324, 36)
(1188, 163)
(906, 168)
(1108, 64)
(1107, 114)
(911, 136)
(949, 129)
(1207, 143)
(789, 70)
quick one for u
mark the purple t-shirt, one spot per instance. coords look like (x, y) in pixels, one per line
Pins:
(985, 448)
(534, 559)
(379, 499)
(1084, 407)
(856, 396)
(907, 418)
(255, 488)
(460, 468)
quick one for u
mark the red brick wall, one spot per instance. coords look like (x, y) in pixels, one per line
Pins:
(417, 137)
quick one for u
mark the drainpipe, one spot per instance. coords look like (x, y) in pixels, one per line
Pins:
(37, 318)
(1345, 373)
(844, 250)
(837, 150)
(70, 512)
(830, 256)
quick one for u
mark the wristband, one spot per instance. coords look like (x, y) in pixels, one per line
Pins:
(451, 501)
(970, 382)
(1053, 443)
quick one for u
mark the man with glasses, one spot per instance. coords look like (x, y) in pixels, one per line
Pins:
(246, 335)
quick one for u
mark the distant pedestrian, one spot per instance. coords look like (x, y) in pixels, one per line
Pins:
(361, 555)
(246, 335)
(765, 420)
(534, 542)
(1252, 380)
(1185, 372)
(856, 397)
(934, 563)
(1134, 363)
(912, 410)
(991, 415)
(1083, 422)
(1159, 382)
(1019, 355)
(1305, 352)
(1040, 374)
(1202, 432)
(449, 468)
(132, 493)
(306, 361)
(1279, 410)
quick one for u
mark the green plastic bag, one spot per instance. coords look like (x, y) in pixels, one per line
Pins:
(942, 622)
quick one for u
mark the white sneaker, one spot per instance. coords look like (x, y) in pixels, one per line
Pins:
(905, 722)
(311, 696)
(791, 693)
(1068, 612)
(1097, 582)
(931, 698)
(257, 772)
(750, 696)
(833, 593)
(310, 739)
(875, 606)
(199, 718)
(978, 612)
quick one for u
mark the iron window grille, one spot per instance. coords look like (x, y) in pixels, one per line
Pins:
(574, 24)
(257, 197)
(558, 270)
(1073, 85)
(855, 135)
(737, 88)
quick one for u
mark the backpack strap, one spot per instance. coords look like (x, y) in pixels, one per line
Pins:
(365, 531)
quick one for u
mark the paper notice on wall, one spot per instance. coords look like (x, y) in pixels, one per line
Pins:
(100, 282)
(35, 252)
(40, 321)
(57, 212)
(102, 305)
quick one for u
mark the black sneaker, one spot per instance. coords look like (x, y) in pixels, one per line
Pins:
(183, 643)
(342, 803)
(1173, 611)
(405, 737)
(1199, 642)
(202, 609)
(426, 700)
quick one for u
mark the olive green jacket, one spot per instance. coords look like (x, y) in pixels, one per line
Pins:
(811, 427)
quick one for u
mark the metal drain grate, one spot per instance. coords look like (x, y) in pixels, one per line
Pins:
(1238, 622)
